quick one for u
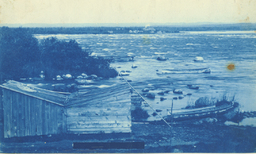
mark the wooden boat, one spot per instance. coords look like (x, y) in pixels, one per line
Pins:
(184, 71)
(204, 112)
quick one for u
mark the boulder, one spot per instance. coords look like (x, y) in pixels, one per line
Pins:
(150, 95)
(166, 91)
(158, 110)
(162, 58)
(161, 93)
(177, 91)
(193, 87)
(206, 71)
(162, 98)
(181, 97)
(199, 59)
(134, 66)
(145, 90)
(175, 98)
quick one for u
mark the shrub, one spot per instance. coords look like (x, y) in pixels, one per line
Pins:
(61, 57)
(22, 56)
(139, 114)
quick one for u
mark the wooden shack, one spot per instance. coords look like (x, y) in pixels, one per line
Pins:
(27, 112)
(31, 111)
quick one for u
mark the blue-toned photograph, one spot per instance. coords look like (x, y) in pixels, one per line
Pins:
(121, 76)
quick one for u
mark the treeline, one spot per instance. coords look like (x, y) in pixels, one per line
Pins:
(94, 30)
(141, 30)
(21, 55)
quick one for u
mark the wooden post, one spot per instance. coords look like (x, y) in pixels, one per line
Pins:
(171, 111)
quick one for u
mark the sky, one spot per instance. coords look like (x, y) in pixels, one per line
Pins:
(126, 11)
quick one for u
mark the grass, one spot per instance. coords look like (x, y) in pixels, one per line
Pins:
(209, 101)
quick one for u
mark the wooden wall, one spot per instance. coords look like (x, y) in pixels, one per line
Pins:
(28, 116)
(105, 110)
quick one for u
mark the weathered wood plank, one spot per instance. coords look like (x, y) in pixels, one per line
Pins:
(43, 118)
(6, 111)
(22, 103)
(19, 118)
(100, 130)
(47, 118)
(26, 119)
(97, 97)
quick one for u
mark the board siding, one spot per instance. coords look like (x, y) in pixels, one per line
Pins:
(27, 116)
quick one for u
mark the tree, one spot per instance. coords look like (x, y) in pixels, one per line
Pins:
(19, 53)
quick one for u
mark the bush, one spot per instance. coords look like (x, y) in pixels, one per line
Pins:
(139, 114)
(22, 56)
(203, 102)
(61, 57)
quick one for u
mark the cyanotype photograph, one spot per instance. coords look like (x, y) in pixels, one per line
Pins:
(127, 76)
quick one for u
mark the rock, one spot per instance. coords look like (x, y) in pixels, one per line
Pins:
(129, 80)
(92, 77)
(208, 120)
(134, 66)
(145, 90)
(193, 87)
(128, 71)
(154, 114)
(175, 98)
(162, 58)
(211, 85)
(199, 59)
(150, 87)
(150, 95)
(162, 98)
(177, 91)
(158, 110)
(58, 77)
(124, 74)
(80, 77)
(181, 97)
(84, 75)
(206, 71)
(166, 91)
(161, 93)
(189, 94)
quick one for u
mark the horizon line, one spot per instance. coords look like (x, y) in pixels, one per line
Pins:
(115, 24)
